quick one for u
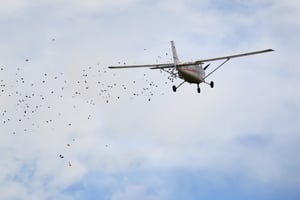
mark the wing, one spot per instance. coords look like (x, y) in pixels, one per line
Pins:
(152, 66)
(233, 56)
(227, 58)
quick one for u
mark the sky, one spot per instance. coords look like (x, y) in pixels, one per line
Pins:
(70, 128)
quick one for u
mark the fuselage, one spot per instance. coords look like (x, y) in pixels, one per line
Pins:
(191, 73)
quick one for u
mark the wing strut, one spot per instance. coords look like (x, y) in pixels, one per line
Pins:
(217, 68)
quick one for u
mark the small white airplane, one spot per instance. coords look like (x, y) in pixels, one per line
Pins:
(191, 72)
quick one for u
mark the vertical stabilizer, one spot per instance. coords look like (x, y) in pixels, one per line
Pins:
(175, 57)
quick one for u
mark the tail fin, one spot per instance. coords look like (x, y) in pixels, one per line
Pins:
(175, 57)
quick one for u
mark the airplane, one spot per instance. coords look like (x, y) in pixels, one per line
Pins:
(191, 72)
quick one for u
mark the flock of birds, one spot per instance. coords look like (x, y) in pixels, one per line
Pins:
(32, 99)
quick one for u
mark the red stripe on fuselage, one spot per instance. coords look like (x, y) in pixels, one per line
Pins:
(189, 70)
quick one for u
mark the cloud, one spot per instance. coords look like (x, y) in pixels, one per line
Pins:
(69, 8)
(11, 8)
(133, 192)
(246, 126)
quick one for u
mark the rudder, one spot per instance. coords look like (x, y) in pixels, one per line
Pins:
(175, 57)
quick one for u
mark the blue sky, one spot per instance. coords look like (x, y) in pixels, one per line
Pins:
(125, 134)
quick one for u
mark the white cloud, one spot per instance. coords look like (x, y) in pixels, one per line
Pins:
(254, 97)
(11, 8)
(69, 8)
(133, 192)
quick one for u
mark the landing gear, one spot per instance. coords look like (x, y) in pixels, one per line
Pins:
(176, 87)
(198, 88)
(211, 84)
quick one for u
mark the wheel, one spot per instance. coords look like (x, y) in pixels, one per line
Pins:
(212, 84)
(174, 88)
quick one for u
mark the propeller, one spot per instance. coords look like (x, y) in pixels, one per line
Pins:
(206, 66)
